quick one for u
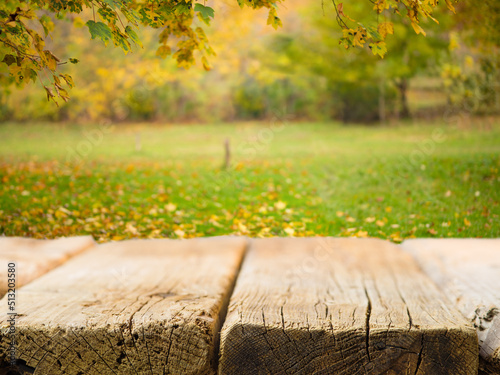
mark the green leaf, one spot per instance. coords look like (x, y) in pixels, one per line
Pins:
(68, 79)
(110, 3)
(205, 12)
(99, 30)
(182, 8)
(47, 24)
(379, 48)
(121, 42)
(131, 15)
(133, 36)
(372, 32)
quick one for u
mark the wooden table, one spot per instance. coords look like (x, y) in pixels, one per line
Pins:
(232, 305)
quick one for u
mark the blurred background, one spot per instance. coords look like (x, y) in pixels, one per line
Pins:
(300, 70)
(288, 134)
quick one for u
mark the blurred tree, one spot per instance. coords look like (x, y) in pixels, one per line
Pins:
(362, 86)
(26, 25)
(472, 75)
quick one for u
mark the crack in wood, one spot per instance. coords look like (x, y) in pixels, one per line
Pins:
(367, 324)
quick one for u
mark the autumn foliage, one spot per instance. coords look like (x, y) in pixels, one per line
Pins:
(25, 27)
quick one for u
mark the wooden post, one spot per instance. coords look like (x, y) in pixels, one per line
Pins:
(227, 154)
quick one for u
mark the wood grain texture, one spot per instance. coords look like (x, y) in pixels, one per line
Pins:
(468, 272)
(36, 257)
(132, 307)
(340, 306)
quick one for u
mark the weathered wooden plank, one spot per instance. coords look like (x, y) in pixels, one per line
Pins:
(340, 306)
(133, 307)
(468, 272)
(36, 257)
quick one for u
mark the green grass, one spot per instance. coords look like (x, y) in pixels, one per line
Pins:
(294, 179)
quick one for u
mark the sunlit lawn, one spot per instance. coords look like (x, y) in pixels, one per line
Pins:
(285, 180)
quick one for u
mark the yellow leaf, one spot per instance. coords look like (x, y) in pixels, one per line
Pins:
(163, 51)
(59, 214)
(362, 233)
(380, 5)
(418, 29)
(466, 222)
(359, 37)
(280, 205)
(450, 6)
(179, 233)
(340, 213)
(206, 64)
(340, 11)
(380, 223)
(396, 237)
(65, 210)
(385, 28)
(16, 72)
(170, 207)
(131, 229)
(273, 18)
(78, 22)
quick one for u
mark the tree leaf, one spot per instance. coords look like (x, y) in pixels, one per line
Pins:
(163, 51)
(206, 64)
(68, 79)
(182, 8)
(110, 3)
(379, 48)
(273, 19)
(385, 28)
(418, 29)
(450, 6)
(47, 24)
(9, 59)
(99, 30)
(49, 60)
(133, 36)
(121, 41)
(204, 12)
(50, 94)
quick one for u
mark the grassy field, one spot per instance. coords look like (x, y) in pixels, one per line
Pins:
(128, 181)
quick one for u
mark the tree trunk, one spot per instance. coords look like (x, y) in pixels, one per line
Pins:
(381, 102)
